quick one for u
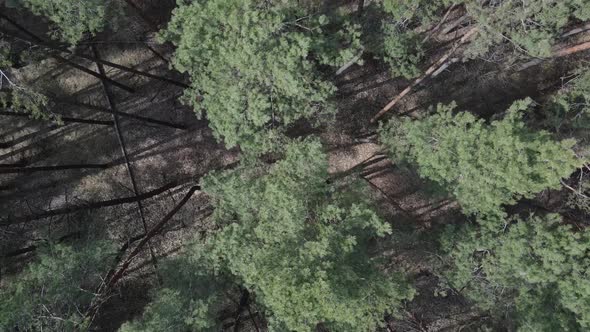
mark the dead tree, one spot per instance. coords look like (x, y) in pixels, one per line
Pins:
(110, 99)
(115, 274)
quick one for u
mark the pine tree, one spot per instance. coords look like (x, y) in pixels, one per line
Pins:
(53, 292)
(73, 19)
(403, 48)
(568, 112)
(23, 99)
(193, 292)
(254, 66)
(297, 243)
(483, 166)
(300, 244)
(534, 271)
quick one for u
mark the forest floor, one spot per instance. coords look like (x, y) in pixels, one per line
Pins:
(160, 155)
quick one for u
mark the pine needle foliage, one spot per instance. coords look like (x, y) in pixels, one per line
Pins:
(568, 112)
(483, 165)
(73, 19)
(402, 51)
(530, 28)
(402, 47)
(5, 60)
(54, 291)
(535, 271)
(254, 66)
(190, 298)
(24, 100)
(300, 244)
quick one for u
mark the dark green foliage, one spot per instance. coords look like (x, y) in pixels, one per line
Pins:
(54, 291)
(301, 244)
(5, 61)
(483, 166)
(568, 113)
(402, 52)
(74, 18)
(254, 66)
(20, 99)
(296, 242)
(535, 271)
(192, 293)
(402, 47)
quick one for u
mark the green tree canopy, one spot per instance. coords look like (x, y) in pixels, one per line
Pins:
(568, 112)
(54, 291)
(301, 244)
(483, 165)
(401, 46)
(535, 271)
(74, 18)
(193, 292)
(296, 242)
(254, 66)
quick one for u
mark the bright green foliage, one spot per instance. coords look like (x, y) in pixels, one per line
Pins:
(254, 66)
(192, 293)
(483, 166)
(535, 271)
(73, 18)
(54, 291)
(300, 244)
(531, 26)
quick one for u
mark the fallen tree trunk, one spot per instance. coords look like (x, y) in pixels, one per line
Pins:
(122, 114)
(15, 170)
(98, 205)
(63, 118)
(564, 51)
(34, 39)
(34, 247)
(424, 76)
(116, 276)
